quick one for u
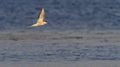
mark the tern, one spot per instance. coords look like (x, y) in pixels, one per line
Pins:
(40, 21)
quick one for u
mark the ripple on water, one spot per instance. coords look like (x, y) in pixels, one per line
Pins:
(58, 52)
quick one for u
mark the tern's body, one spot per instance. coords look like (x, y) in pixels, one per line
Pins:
(40, 20)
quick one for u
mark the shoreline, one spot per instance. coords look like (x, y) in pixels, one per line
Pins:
(62, 64)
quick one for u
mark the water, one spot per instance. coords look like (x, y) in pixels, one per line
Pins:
(61, 14)
(58, 52)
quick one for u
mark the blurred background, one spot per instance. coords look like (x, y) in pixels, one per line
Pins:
(61, 14)
(55, 44)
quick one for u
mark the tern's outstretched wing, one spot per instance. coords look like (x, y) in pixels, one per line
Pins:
(41, 16)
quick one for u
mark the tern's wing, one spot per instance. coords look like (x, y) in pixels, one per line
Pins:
(41, 16)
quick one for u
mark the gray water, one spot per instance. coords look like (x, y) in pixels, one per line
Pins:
(58, 52)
